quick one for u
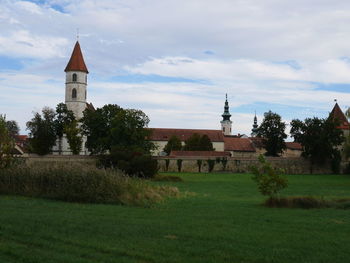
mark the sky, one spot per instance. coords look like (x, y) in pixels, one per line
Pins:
(176, 59)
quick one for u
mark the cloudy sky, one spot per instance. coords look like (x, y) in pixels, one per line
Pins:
(176, 59)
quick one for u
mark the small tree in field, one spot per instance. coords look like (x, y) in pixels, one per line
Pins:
(174, 144)
(269, 180)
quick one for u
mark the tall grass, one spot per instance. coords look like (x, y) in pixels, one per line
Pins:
(77, 183)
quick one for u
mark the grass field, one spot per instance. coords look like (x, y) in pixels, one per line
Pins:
(223, 222)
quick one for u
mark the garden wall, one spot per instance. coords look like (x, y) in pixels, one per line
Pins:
(241, 165)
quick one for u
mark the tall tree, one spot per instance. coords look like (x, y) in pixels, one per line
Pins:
(112, 126)
(74, 137)
(198, 143)
(272, 132)
(42, 133)
(63, 118)
(320, 139)
(12, 127)
(6, 144)
(174, 144)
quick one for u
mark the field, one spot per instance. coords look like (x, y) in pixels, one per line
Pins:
(223, 221)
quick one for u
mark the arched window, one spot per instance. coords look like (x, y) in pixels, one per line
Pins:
(74, 77)
(74, 94)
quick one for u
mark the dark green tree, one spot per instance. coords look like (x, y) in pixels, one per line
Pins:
(74, 137)
(320, 139)
(12, 127)
(97, 125)
(6, 144)
(272, 131)
(42, 133)
(63, 118)
(113, 127)
(205, 143)
(174, 144)
(198, 143)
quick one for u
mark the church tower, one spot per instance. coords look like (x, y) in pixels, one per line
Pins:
(76, 82)
(255, 127)
(226, 123)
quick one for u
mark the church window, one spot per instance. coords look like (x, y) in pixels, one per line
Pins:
(74, 94)
(74, 77)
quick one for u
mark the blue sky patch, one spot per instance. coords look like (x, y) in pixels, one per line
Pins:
(140, 78)
(7, 63)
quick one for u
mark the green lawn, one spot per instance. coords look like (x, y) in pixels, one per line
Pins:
(223, 222)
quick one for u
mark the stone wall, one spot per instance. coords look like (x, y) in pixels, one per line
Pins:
(241, 165)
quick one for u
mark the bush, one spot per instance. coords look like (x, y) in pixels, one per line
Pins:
(211, 164)
(167, 162)
(307, 202)
(269, 181)
(80, 184)
(224, 163)
(133, 164)
(179, 164)
(199, 163)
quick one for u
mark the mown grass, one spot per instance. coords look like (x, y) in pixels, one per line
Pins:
(224, 221)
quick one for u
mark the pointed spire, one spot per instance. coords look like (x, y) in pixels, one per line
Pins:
(339, 115)
(255, 126)
(76, 62)
(226, 115)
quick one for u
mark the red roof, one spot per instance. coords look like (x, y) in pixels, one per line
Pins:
(160, 134)
(238, 144)
(199, 154)
(337, 114)
(76, 62)
(21, 137)
(294, 146)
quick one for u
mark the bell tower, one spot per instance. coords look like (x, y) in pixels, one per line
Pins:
(226, 123)
(76, 82)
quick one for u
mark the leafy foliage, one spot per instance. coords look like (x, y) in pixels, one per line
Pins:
(113, 127)
(63, 118)
(12, 127)
(319, 138)
(179, 164)
(174, 144)
(211, 164)
(6, 145)
(224, 163)
(198, 143)
(272, 131)
(74, 137)
(199, 164)
(42, 132)
(131, 163)
(268, 179)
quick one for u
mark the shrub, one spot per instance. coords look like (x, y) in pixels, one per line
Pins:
(269, 181)
(224, 163)
(133, 164)
(179, 164)
(80, 184)
(167, 162)
(199, 163)
(307, 202)
(211, 164)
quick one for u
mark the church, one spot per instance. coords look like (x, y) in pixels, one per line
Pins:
(224, 142)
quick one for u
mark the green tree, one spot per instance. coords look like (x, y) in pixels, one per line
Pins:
(42, 133)
(272, 131)
(198, 143)
(74, 137)
(174, 144)
(113, 127)
(63, 118)
(320, 139)
(269, 180)
(6, 144)
(97, 125)
(12, 127)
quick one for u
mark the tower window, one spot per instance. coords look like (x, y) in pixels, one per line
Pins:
(74, 77)
(74, 94)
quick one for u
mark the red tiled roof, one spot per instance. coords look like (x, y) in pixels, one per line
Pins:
(238, 144)
(337, 114)
(160, 134)
(199, 154)
(90, 106)
(294, 146)
(21, 137)
(76, 62)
